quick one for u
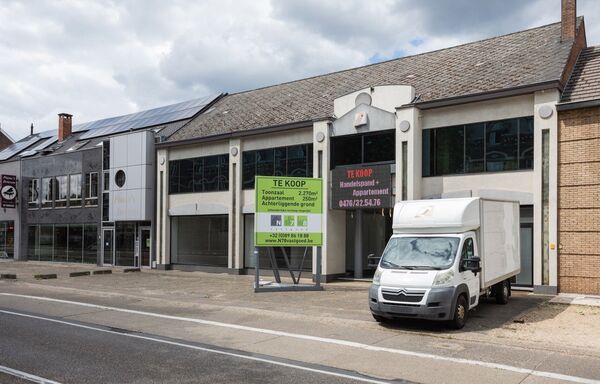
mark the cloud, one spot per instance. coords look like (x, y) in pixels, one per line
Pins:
(103, 58)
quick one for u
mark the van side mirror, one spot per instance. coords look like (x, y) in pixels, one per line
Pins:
(472, 264)
(373, 261)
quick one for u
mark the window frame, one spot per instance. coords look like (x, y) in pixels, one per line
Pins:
(78, 197)
(429, 148)
(198, 183)
(47, 183)
(247, 168)
(89, 199)
(34, 184)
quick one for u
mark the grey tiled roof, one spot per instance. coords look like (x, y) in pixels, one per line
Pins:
(584, 83)
(519, 59)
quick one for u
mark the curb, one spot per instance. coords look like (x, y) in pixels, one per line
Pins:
(8, 276)
(127, 270)
(45, 276)
(77, 274)
(102, 272)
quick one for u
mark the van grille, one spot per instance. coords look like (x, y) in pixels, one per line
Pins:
(402, 295)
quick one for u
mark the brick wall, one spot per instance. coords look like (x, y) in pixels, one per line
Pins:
(579, 201)
(4, 141)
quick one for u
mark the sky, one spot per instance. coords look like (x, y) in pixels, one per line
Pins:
(97, 59)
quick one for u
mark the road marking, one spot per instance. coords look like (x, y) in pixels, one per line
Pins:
(26, 376)
(191, 346)
(345, 343)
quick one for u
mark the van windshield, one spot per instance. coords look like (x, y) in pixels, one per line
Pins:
(420, 252)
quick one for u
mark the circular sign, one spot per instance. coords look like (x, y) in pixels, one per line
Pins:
(404, 125)
(320, 137)
(9, 193)
(545, 111)
(120, 178)
(363, 98)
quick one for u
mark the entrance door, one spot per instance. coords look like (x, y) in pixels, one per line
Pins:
(525, 278)
(108, 246)
(145, 247)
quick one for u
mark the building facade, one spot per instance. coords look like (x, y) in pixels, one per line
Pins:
(579, 182)
(86, 192)
(464, 121)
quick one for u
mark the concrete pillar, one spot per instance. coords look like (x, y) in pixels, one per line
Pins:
(408, 117)
(236, 234)
(544, 100)
(334, 221)
(163, 227)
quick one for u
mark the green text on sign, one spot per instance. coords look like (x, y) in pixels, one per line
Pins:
(288, 211)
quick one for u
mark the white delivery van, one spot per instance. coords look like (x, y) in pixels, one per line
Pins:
(443, 255)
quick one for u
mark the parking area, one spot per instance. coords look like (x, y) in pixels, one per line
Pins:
(526, 320)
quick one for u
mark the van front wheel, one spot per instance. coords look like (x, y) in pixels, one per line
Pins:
(461, 311)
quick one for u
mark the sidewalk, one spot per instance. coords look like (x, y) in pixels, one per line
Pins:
(575, 299)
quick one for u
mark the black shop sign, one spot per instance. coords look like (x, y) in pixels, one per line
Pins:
(361, 187)
(8, 191)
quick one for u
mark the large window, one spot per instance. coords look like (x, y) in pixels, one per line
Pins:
(201, 174)
(7, 239)
(90, 244)
(199, 240)
(503, 145)
(74, 243)
(75, 250)
(61, 191)
(33, 242)
(91, 189)
(47, 194)
(46, 242)
(34, 194)
(61, 242)
(295, 160)
(379, 147)
(75, 191)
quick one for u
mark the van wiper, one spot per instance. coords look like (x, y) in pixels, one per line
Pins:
(411, 267)
(390, 264)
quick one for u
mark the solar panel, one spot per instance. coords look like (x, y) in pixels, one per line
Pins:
(17, 147)
(43, 145)
(143, 119)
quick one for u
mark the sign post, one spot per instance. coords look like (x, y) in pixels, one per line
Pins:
(288, 214)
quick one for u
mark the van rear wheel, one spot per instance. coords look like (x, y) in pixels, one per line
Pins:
(502, 292)
(461, 311)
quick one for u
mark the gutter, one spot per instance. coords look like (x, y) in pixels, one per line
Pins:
(489, 95)
(578, 105)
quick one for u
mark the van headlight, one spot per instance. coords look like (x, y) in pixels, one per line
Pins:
(443, 277)
(377, 276)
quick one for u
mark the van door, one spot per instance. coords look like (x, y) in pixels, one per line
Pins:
(468, 277)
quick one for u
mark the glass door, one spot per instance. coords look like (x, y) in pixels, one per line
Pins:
(145, 247)
(525, 278)
(108, 246)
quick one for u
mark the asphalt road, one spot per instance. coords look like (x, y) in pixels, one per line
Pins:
(71, 354)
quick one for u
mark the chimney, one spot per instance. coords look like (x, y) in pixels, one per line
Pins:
(65, 124)
(568, 19)
(31, 129)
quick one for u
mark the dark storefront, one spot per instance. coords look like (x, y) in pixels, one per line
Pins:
(61, 220)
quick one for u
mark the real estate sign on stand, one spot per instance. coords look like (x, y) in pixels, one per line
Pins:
(288, 212)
